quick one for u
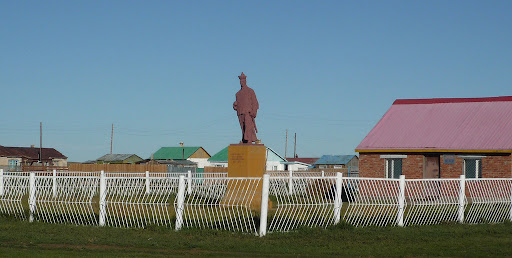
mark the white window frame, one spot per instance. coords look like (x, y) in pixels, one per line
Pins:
(478, 163)
(391, 157)
(392, 167)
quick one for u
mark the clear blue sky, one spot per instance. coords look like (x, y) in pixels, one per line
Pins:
(166, 71)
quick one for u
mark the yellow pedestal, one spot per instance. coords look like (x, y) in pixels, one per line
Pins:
(247, 160)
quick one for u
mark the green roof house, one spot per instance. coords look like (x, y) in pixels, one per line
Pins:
(197, 155)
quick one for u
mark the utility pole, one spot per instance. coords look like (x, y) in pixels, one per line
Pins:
(111, 138)
(286, 144)
(295, 146)
(41, 142)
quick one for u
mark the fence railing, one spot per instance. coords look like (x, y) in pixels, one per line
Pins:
(254, 205)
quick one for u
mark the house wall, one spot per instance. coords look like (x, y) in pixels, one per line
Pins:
(372, 165)
(493, 166)
(200, 154)
(329, 166)
(274, 166)
(201, 162)
(218, 164)
(497, 166)
(132, 159)
(354, 162)
(269, 167)
(4, 161)
(297, 167)
(60, 162)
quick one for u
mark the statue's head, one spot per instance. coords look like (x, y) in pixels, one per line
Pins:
(243, 79)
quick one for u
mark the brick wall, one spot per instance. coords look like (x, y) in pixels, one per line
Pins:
(452, 170)
(412, 166)
(493, 166)
(371, 165)
(496, 166)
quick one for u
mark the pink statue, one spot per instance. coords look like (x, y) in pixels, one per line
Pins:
(246, 106)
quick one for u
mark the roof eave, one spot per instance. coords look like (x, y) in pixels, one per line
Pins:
(430, 151)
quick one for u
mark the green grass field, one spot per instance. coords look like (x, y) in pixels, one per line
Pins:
(21, 238)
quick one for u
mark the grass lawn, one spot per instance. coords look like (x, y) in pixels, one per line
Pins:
(21, 238)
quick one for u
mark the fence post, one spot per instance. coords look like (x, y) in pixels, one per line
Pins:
(189, 182)
(148, 191)
(54, 183)
(103, 195)
(180, 203)
(32, 195)
(401, 201)
(290, 183)
(338, 202)
(264, 204)
(510, 212)
(323, 173)
(1, 182)
(462, 195)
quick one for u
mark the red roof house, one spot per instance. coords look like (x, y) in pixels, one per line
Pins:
(440, 138)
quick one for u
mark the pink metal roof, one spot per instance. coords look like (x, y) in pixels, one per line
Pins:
(448, 124)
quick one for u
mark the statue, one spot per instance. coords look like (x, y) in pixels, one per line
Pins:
(246, 106)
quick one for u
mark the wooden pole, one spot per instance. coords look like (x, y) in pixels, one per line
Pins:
(295, 146)
(286, 144)
(111, 138)
(41, 142)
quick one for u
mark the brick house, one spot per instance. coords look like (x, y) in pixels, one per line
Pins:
(440, 138)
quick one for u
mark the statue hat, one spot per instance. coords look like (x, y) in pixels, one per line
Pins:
(242, 76)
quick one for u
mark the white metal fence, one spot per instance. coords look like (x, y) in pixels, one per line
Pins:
(255, 205)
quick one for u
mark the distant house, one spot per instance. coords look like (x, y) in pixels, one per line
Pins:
(296, 166)
(197, 155)
(337, 161)
(309, 161)
(274, 161)
(219, 159)
(179, 165)
(15, 157)
(119, 159)
(440, 138)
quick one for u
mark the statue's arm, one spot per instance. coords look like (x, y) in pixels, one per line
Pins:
(255, 104)
(235, 105)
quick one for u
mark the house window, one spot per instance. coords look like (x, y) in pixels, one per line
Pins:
(338, 166)
(13, 164)
(393, 168)
(322, 166)
(473, 167)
